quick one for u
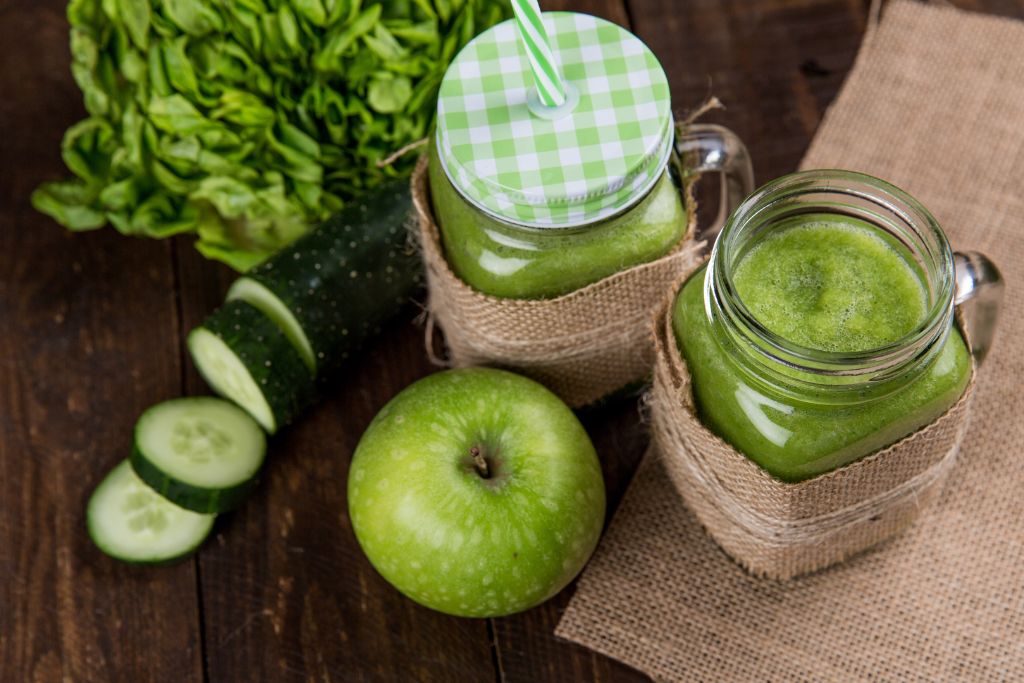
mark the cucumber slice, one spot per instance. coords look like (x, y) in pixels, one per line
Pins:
(246, 358)
(202, 454)
(331, 289)
(133, 523)
(257, 294)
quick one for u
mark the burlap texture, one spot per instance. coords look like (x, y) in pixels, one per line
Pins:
(934, 104)
(781, 530)
(583, 345)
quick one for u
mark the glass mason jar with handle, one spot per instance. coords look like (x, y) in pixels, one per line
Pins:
(535, 202)
(822, 328)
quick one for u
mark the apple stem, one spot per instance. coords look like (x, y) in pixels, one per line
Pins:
(480, 462)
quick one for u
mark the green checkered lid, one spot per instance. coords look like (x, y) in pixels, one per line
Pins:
(589, 159)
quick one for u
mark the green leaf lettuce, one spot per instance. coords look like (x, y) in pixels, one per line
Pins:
(246, 122)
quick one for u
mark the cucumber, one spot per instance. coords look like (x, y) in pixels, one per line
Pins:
(331, 289)
(246, 358)
(202, 454)
(133, 523)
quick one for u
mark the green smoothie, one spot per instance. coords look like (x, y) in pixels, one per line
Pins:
(829, 283)
(515, 262)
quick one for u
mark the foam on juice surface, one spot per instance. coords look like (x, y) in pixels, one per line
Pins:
(831, 283)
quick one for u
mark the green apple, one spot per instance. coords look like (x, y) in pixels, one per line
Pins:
(477, 493)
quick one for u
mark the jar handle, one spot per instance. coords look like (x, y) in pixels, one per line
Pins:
(979, 286)
(709, 148)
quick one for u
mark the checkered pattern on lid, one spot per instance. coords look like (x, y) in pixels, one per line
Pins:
(555, 171)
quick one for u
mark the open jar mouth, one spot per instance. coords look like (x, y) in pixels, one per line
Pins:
(795, 369)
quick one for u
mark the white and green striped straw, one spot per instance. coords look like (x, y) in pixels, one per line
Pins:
(550, 87)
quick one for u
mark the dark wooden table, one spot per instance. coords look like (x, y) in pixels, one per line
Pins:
(92, 334)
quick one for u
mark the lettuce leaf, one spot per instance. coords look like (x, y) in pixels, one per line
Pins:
(245, 122)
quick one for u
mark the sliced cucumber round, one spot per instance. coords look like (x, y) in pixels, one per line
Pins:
(133, 523)
(200, 453)
(246, 358)
(257, 294)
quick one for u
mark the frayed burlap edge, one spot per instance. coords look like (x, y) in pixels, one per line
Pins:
(781, 530)
(583, 345)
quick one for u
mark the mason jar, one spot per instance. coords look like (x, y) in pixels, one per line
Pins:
(822, 328)
(534, 203)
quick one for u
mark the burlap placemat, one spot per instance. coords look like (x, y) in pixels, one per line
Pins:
(582, 345)
(935, 104)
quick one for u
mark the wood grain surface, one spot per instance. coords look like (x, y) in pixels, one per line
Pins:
(92, 334)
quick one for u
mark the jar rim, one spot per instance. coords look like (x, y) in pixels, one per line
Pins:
(636, 195)
(819, 368)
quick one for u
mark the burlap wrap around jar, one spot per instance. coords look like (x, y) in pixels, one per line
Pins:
(781, 530)
(582, 345)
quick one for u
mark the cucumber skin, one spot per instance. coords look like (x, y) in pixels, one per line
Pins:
(314, 278)
(167, 561)
(271, 359)
(189, 496)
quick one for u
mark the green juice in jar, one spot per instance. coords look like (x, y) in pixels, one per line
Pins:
(831, 283)
(534, 200)
(516, 262)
